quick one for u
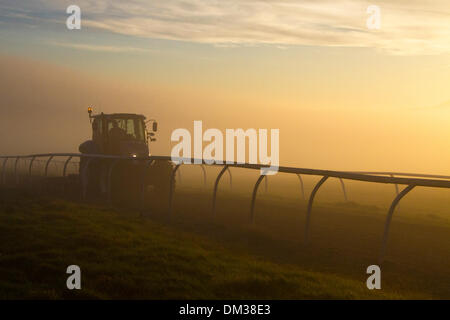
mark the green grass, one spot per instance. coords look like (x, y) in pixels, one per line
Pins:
(345, 237)
(125, 256)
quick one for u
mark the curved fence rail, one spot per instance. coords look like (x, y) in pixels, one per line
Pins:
(410, 180)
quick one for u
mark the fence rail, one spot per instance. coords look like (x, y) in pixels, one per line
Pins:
(411, 180)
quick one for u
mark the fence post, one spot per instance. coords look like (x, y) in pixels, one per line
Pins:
(301, 185)
(84, 177)
(396, 185)
(31, 165)
(143, 184)
(310, 203)
(204, 174)
(216, 184)
(64, 173)
(4, 171)
(29, 169)
(255, 191)
(46, 173)
(231, 178)
(389, 219)
(15, 170)
(65, 166)
(343, 189)
(109, 186)
(171, 189)
(47, 164)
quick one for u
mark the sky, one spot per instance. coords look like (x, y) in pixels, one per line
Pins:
(345, 97)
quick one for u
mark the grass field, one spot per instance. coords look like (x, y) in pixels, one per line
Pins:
(196, 256)
(124, 256)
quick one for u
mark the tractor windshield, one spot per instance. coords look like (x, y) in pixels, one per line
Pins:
(132, 128)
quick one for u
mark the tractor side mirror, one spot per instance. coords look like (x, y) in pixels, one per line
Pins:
(150, 136)
(155, 126)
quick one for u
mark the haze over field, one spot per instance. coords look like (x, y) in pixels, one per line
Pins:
(344, 97)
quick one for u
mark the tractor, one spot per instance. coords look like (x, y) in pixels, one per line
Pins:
(126, 135)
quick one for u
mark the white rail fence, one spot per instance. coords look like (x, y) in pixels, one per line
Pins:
(410, 180)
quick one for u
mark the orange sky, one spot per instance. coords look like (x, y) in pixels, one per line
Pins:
(345, 100)
(46, 112)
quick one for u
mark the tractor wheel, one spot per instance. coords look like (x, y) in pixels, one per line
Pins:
(126, 184)
(89, 177)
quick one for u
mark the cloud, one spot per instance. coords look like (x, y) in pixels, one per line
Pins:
(98, 48)
(408, 27)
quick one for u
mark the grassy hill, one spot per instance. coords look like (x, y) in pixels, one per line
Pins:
(125, 256)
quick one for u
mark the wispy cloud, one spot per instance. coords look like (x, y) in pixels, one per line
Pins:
(98, 48)
(408, 26)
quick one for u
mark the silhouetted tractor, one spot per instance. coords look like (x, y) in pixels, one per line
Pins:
(122, 134)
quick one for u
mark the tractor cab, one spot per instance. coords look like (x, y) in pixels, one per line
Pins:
(123, 134)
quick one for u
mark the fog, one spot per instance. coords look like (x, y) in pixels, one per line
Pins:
(44, 109)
